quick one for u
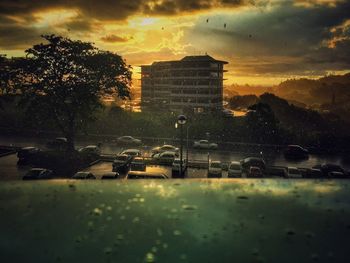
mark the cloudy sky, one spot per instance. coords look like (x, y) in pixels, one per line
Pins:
(263, 41)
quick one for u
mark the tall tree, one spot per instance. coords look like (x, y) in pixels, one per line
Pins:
(64, 80)
(262, 123)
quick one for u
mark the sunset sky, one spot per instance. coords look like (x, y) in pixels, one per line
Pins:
(264, 41)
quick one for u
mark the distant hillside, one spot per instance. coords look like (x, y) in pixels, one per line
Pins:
(326, 90)
(247, 89)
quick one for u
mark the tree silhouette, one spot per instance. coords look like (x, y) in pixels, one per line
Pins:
(64, 80)
(262, 123)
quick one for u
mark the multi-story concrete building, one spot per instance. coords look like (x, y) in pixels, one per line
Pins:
(194, 83)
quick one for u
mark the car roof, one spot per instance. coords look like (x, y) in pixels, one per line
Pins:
(215, 162)
(29, 148)
(254, 168)
(131, 150)
(138, 159)
(168, 145)
(81, 173)
(248, 159)
(91, 146)
(61, 138)
(140, 173)
(38, 169)
(235, 162)
(122, 154)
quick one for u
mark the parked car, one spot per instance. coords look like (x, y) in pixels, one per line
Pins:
(83, 176)
(129, 140)
(59, 143)
(215, 169)
(327, 168)
(255, 172)
(293, 172)
(337, 175)
(234, 170)
(93, 150)
(205, 144)
(227, 113)
(164, 148)
(166, 158)
(138, 164)
(122, 163)
(313, 173)
(253, 161)
(175, 168)
(295, 152)
(27, 154)
(145, 175)
(132, 152)
(38, 173)
(110, 176)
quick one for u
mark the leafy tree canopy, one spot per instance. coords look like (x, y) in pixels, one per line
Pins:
(64, 80)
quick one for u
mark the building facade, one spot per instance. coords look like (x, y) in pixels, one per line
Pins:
(194, 83)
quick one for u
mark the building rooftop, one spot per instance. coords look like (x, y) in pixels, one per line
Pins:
(201, 58)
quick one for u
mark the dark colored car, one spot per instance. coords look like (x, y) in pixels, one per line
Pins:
(138, 164)
(110, 176)
(329, 170)
(59, 143)
(253, 161)
(122, 163)
(83, 176)
(27, 155)
(38, 173)
(295, 152)
(255, 172)
(313, 173)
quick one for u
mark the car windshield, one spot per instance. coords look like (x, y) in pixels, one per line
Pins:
(215, 165)
(235, 167)
(130, 153)
(168, 147)
(294, 171)
(121, 158)
(34, 173)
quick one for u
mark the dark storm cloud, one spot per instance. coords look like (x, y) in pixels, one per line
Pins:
(99, 9)
(113, 39)
(286, 30)
(18, 37)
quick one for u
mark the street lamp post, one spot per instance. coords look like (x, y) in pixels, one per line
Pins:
(181, 120)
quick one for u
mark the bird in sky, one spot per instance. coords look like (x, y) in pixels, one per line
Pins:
(225, 25)
(207, 20)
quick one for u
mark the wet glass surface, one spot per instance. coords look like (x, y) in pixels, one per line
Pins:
(237, 220)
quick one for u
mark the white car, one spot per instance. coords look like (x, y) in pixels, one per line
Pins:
(205, 144)
(164, 148)
(165, 157)
(132, 152)
(129, 140)
(215, 169)
(235, 169)
(293, 172)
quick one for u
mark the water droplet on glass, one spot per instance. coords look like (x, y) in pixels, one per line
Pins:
(150, 257)
(177, 233)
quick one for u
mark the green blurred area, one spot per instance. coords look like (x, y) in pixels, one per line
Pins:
(175, 221)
